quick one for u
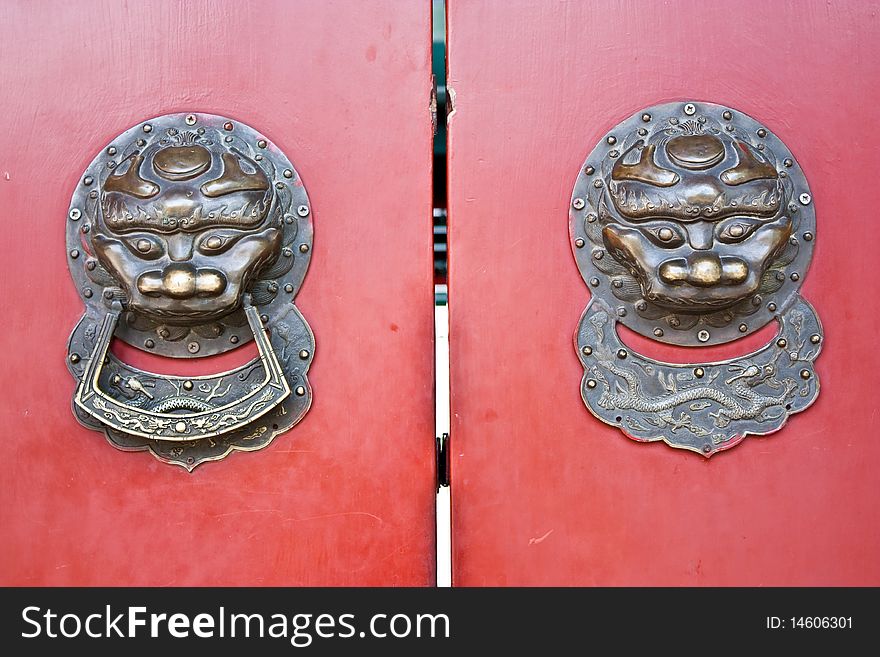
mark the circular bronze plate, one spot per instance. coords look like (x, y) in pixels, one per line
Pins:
(205, 161)
(693, 222)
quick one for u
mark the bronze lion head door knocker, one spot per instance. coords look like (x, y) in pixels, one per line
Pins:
(692, 224)
(189, 236)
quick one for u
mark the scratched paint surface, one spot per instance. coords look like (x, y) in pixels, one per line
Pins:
(543, 493)
(347, 496)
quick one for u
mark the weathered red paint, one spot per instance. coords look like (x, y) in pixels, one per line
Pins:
(543, 493)
(347, 497)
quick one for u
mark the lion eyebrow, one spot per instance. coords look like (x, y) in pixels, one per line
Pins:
(234, 179)
(645, 170)
(748, 168)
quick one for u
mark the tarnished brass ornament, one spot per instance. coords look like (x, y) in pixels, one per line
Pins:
(693, 224)
(185, 239)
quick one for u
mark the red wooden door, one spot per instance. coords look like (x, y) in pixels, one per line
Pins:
(347, 496)
(544, 493)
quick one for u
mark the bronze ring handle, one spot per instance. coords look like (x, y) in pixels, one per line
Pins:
(182, 426)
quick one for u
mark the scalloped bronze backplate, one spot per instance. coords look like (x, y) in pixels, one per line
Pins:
(188, 236)
(692, 224)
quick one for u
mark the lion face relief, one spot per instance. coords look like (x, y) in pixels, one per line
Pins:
(697, 218)
(184, 226)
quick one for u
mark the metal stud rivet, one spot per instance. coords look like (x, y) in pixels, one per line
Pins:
(658, 332)
(148, 127)
(589, 170)
(288, 288)
(74, 253)
(707, 449)
(111, 150)
(594, 282)
(193, 347)
(180, 427)
(597, 184)
(699, 372)
(587, 350)
(727, 115)
(646, 117)
(591, 383)
(264, 318)
(74, 358)
(591, 218)
(781, 343)
(88, 180)
(187, 385)
(288, 173)
(579, 242)
(234, 339)
(761, 132)
(190, 119)
(304, 354)
(690, 109)
(621, 311)
(228, 125)
(578, 204)
(805, 374)
(622, 353)
(87, 293)
(74, 214)
(300, 391)
(703, 336)
(771, 306)
(149, 344)
(805, 198)
(815, 338)
(795, 276)
(611, 140)
(808, 237)
(788, 162)
(262, 143)
(303, 248)
(303, 211)
(598, 254)
(743, 328)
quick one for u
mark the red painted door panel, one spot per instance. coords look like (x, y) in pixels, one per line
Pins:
(347, 496)
(543, 493)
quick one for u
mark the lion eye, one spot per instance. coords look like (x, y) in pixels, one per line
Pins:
(143, 246)
(737, 231)
(216, 242)
(665, 236)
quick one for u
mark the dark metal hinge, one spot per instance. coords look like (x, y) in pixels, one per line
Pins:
(442, 455)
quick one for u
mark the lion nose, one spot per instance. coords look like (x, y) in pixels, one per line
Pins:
(182, 281)
(704, 270)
